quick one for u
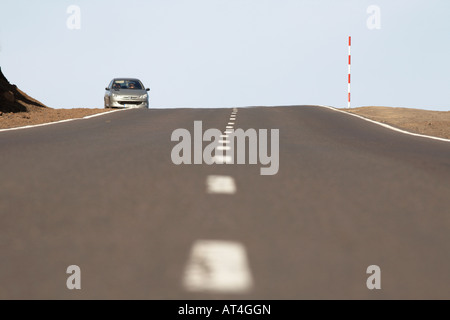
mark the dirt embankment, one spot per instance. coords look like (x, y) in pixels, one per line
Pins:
(18, 109)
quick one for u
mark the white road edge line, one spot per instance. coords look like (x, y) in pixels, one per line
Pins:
(386, 125)
(217, 266)
(65, 120)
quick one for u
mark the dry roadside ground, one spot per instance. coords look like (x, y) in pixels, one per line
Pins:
(426, 122)
(37, 115)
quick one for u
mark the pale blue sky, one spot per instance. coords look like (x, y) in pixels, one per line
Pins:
(231, 53)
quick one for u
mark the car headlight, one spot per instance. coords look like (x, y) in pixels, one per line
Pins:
(144, 96)
(114, 95)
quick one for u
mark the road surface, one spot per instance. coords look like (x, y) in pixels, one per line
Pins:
(103, 194)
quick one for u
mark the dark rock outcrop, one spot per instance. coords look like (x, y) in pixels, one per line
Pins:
(12, 99)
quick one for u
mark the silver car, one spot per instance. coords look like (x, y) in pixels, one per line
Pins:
(126, 93)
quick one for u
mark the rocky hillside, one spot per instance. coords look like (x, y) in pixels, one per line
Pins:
(12, 99)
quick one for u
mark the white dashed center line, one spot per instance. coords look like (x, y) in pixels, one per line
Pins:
(217, 266)
(220, 159)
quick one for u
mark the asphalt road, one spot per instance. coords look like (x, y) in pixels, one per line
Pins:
(104, 194)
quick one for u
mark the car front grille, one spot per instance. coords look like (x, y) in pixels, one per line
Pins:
(130, 102)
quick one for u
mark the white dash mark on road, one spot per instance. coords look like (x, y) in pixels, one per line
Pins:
(220, 184)
(224, 141)
(223, 148)
(229, 127)
(230, 123)
(222, 159)
(224, 136)
(218, 267)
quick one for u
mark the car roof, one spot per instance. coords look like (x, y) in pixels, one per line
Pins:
(135, 79)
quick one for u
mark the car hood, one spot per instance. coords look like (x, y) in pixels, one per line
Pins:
(129, 92)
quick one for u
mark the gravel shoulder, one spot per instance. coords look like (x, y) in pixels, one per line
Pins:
(426, 122)
(37, 115)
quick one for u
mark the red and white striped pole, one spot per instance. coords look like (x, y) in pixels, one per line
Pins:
(349, 67)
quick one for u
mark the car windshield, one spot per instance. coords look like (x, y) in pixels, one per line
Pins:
(127, 84)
